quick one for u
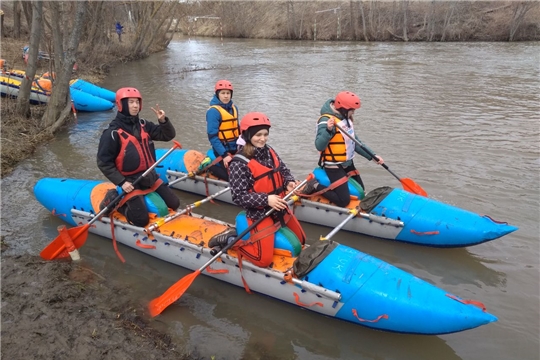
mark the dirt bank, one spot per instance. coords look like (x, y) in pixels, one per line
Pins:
(64, 310)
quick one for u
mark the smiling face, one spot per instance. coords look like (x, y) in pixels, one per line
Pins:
(260, 138)
(225, 96)
(134, 106)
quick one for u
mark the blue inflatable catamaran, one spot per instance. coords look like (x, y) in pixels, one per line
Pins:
(347, 284)
(387, 213)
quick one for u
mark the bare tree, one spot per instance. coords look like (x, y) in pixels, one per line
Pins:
(23, 98)
(59, 105)
(447, 19)
(364, 27)
(27, 10)
(404, 7)
(520, 9)
(16, 19)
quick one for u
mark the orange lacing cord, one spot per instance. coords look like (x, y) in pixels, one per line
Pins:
(383, 316)
(216, 271)
(421, 233)
(298, 302)
(468, 302)
(56, 214)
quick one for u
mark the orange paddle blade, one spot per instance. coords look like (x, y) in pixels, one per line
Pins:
(410, 186)
(172, 294)
(192, 160)
(57, 248)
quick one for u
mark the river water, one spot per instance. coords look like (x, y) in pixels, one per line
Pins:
(462, 120)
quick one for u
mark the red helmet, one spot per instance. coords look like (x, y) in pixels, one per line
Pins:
(347, 100)
(127, 92)
(223, 85)
(253, 119)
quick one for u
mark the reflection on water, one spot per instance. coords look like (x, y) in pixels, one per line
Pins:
(459, 119)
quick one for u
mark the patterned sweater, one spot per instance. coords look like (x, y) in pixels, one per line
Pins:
(241, 182)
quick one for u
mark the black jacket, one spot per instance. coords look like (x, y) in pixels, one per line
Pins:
(109, 146)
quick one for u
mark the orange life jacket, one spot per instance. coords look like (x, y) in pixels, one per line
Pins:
(340, 148)
(267, 180)
(228, 127)
(135, 156)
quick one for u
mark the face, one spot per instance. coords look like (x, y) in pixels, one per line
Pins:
(224, 96)
(350, 114)
(260, 138)
(133, 106)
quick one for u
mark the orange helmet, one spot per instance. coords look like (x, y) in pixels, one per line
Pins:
(127, 92)
(223, 85)
(253, 119)
(347, 100)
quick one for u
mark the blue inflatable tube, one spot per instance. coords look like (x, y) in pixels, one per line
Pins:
(95, 90)
(86, 102)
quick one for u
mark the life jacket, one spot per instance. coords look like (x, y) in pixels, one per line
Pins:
(259, 247)
(228, 127)
(135, 156)
(267, 180)
(340, 147)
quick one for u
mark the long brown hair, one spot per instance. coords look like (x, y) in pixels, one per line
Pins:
(248, 150)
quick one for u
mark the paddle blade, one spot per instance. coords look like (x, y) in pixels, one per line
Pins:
(410, 186)
(57, 248)
(172, 294)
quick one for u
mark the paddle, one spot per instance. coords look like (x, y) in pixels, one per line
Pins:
(174, 293)
(352, 212)
(188, 208)
(408, 184)
(78, 235)
(194, 173)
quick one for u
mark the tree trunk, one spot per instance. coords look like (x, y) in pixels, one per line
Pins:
(16, 20)
(354, 20)
(519, 13)
(447, 21)
(405, 5)
(56, 113)
(92, 39)
(27, 8)
(23, 99)
(364, 27)
(2, 24)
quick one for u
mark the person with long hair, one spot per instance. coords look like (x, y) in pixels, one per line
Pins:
(259, 179)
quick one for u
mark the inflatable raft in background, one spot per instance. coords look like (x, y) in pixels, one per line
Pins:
(394, 214)
(9, 87)
(347, 284)
(85, 95)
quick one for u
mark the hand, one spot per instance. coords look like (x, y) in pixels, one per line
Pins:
(277, 203)
(379, 160)
(159, 113)
(226, 160)
(128, 187)
(330, 124)
(291, 185)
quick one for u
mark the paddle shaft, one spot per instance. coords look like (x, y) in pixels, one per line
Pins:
(190, 207)
(116, 199)
(352, 212)
(58, 245)
(173, 293)
(194, 173)
(370, 153)
(252, 226)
